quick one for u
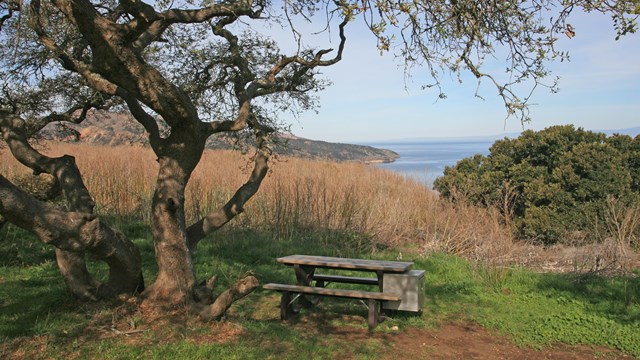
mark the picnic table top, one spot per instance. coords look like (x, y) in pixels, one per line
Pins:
(346, 263)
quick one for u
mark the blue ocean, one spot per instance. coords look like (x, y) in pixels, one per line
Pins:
(424, 161)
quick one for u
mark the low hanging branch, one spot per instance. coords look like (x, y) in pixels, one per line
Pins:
(235, 205)
(237, 291)
(71, 232)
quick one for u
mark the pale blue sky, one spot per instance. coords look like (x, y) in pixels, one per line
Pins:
(370, 101)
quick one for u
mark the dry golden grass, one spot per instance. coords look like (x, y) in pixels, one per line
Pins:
(380, 208)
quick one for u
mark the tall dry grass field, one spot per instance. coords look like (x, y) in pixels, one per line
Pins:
(378, 207)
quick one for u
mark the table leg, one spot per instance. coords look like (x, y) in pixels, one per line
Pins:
(304, 275)
(285, 305)
(373, 313)
(380, 275)
(383, 312)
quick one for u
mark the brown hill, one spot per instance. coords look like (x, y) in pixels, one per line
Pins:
(113, 129)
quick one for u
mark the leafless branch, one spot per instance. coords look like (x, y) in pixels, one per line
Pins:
(10, 6)
(235, 205)
(155, 24)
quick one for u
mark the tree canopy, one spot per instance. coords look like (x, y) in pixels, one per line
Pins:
(187, 70)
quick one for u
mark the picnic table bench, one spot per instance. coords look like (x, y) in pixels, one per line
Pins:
(305, 270)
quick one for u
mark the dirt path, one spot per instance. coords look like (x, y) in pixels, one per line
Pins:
(470, 341)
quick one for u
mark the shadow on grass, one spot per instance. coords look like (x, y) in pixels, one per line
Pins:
(34, 300)
(237, 251)
(33, 297)
(21, 248)
(34, 304)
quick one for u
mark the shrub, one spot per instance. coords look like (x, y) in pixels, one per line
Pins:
(552, 182)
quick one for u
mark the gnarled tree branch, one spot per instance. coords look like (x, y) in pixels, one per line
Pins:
(94, 79)
(11, 7)
(160, 22)
(71, 232)
(62, 168)
(237, 291)
(234, 206)
(247, 86)
(75, 115)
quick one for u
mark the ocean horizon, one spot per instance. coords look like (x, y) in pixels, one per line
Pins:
(426, 160)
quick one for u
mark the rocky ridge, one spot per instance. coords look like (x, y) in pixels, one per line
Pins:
(113, 129)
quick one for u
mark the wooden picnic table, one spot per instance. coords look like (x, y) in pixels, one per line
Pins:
(306, 265)
(346, 263)
(305, 269)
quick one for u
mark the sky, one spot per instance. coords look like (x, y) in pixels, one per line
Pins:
(371, 100)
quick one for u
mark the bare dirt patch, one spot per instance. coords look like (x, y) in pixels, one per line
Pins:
(471, 341)
(454, 340)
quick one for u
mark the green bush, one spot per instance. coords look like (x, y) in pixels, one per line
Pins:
(550, 183)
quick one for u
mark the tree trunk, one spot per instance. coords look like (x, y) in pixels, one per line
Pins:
(176, 281)
(176, 278)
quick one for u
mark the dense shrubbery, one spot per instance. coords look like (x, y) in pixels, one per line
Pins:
(557, 183)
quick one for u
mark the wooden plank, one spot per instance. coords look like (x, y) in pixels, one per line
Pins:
(346, 263)
(346, 279)
(353, 294)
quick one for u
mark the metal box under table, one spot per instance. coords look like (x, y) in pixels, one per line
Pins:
(410, 285)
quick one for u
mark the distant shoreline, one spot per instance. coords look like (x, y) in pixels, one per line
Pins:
(380, 161)
(112, 129)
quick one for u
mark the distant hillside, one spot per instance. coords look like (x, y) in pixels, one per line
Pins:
(119, 129)
(633, 132)
(314, 149)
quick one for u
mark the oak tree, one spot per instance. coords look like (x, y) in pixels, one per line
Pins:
(187, 70)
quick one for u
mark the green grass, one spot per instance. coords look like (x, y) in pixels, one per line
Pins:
(567, 308)
(536, 310)
(540, 309)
